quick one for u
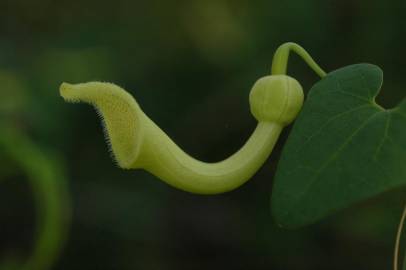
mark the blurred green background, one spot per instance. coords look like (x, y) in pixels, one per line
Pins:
(190, 64)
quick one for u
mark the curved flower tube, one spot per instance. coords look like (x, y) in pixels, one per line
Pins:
(137, 142)
(50, 194)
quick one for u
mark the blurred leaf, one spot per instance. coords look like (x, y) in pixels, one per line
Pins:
(343, 148)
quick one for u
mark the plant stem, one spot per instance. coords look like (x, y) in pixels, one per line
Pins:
(281, 57)
(397, 244)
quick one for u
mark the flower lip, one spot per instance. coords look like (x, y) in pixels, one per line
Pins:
(65, 90)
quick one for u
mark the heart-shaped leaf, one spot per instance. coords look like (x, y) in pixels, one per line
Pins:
(343, 148)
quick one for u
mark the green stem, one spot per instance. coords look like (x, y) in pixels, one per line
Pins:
(397, 244)
(281, 57)
(48, 184)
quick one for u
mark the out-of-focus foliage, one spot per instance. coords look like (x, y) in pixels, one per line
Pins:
(48, 185)
(206, 54)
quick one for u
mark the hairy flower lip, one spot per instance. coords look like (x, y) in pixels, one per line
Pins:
(65, 90)
(136, 142)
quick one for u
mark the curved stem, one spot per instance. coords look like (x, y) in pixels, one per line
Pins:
(281, 57)
(50, 192)
(163, 158)
(397, 244)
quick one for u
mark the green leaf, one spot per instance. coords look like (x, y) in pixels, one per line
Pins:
(343, 148)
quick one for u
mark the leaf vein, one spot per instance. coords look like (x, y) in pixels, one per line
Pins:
(384, 138)
(328, 122)
(334, 156)
(347, 141)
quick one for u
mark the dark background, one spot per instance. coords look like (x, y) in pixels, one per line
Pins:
(190, 64)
